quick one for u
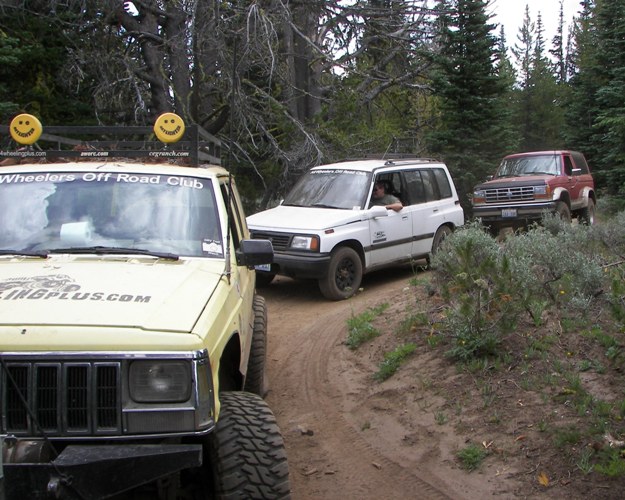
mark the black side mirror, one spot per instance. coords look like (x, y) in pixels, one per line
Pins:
(254, 252)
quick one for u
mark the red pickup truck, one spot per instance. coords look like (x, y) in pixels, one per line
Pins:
(528, 185)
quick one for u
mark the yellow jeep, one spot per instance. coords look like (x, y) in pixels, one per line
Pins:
(132, 343)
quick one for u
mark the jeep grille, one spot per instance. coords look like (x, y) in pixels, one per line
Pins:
(498, 195)
(280, 241)
(63, 398)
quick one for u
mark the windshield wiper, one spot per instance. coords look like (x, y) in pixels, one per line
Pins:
(323, 205)
(26, 253)
(101, 250)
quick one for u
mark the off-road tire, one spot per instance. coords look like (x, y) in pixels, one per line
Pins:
(441, 233)
(246, 449)
(563, 211)
(344, 275)
(587, 214)
(263, 278)
(255, 381)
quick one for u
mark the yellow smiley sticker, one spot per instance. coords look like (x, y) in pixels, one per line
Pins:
(25, 129)
(169, 127)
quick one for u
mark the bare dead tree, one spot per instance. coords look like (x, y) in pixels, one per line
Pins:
(261, 73)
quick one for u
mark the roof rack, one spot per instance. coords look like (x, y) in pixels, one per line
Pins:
(392, 158)
(192, 143)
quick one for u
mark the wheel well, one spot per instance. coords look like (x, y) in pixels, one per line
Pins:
(354, 245)
(564, 196)
(230, 378)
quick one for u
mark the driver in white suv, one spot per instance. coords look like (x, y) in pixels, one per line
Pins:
(380, 197)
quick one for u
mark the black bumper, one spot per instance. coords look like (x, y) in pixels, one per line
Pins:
(98, 471)
(300, 265)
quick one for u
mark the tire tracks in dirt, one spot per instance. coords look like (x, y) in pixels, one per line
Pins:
(328, 457)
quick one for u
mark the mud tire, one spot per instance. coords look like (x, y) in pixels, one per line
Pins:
(246, 450)
(563, 211)
(587, 214)
(441, 233)
(256, 379)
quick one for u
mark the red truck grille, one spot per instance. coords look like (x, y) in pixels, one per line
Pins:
(505, 194)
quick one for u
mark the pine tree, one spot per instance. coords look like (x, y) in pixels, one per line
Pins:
(470, 133)
(539, 114)
(587, 77)
(609, 123)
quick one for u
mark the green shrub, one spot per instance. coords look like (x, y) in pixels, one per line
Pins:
(360, 328)
(553, 268)
(488, 285)
(471, 457)
(474, 279)
(611, 463)
(393, 360)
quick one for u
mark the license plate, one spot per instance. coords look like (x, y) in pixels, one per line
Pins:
(508, 212)
(263, 267)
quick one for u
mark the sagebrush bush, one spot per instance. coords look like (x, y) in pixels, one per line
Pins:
(473, 276)
(554, 269)
(487, 284)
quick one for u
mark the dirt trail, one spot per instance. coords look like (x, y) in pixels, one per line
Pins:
(314, 387)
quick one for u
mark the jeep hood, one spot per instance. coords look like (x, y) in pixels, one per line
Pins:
(302, 219)
(88, 291)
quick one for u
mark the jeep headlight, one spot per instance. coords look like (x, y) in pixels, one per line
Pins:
(160, 381)
(310, 243)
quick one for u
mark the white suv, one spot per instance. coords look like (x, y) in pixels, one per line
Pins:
(326, 228)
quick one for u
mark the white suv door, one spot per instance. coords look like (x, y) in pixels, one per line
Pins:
(390, 237)
(428, 190)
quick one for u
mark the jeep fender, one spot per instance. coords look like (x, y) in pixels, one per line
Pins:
(561, 194)
(588, 193)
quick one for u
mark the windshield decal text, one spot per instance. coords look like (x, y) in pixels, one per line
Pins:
(170, 180)
(338, 172)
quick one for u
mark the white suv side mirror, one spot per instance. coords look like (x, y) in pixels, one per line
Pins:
(376, 212)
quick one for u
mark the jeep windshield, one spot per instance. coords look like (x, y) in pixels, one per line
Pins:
(108, 213)
(529, 165)
(330, 188)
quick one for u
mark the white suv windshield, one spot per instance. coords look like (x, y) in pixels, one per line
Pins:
(42, 211)
(529, 165)
(330, 188)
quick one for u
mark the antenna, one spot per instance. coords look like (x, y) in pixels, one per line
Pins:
(230, 160)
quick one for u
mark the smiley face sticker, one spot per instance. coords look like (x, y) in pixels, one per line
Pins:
(25, 129)
(169, 127)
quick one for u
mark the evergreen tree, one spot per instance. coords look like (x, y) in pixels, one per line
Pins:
(557, 51)
(507, 102)
(10, 56)
(609, 124)
(547, 115)
(470, 133)
(33, 52)
(587, 77)
(539, 113)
